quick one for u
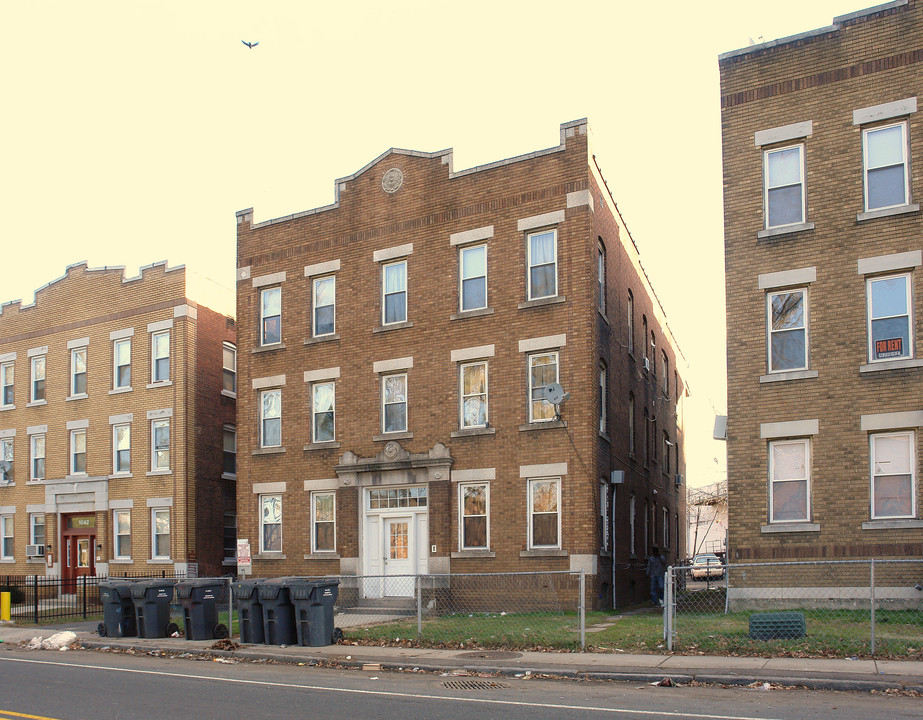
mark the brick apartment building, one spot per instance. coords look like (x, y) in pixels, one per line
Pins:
(823, 147)
(117, 422)
(395, 347)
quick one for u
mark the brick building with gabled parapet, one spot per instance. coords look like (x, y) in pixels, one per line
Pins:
(117, 425)
(462, 372)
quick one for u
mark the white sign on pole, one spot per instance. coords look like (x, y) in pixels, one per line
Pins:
(244, 565)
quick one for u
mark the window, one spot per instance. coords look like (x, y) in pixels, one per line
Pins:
(666, 453)
(601, 277)
(78, 452)
(603, 515)
(889, 317)
(229, 466)
(121, 449)
(229, 368)
(893, 475)
(394, 403)
(789, 480)
(653, 437)
(665, 373)
(885, 160)
(6, 454)
(544, 516)
(6, 537)
(6, 383)
(474, 499)
(647, 438)
(398, 498)
(603, 398)
(543, 264)
(783, 180)
(323, 522)
(631, 322)
(271, 316)
(79, 371)
(160, 351)
(632, 512)
(270, 523)
(323, 407)
(160, 537)
(271, 418)
(653, 354)
(631, 424)
(160, 446)
(121, 363)
(324, 305)
(121, 533)
(543, 370)
(38, 378)
(644, 337)
(666, 527)
(473, 263)
(37, 446)
(788, 346)
(474, 395)
(230, 538)
(394, 293)
(37, 529)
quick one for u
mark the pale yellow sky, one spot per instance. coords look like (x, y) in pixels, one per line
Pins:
(132, 131)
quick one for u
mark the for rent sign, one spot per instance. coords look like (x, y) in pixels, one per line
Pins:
(893, 347)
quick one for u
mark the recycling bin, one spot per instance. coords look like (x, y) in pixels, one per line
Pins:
(118, 609)
(314, 601)
(152, 600)
(198, 597)
(278, 612)
(249, 611)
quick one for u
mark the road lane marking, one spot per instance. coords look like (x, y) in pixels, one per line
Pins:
(391, 694)
(10, 713)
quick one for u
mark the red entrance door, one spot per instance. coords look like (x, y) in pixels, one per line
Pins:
(78, 542)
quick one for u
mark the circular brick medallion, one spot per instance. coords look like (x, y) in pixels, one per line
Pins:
(392, 180)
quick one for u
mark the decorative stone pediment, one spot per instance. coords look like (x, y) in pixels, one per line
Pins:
(394, 465)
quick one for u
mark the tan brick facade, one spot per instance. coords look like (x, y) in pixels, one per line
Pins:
(408, 215)
(822, 149)
(88, 383)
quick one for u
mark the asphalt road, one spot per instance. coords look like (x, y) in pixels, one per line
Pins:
(67, 686)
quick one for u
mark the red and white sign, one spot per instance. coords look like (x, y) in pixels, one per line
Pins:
(243, 555)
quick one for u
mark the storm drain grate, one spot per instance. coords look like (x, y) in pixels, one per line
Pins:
(473, 685)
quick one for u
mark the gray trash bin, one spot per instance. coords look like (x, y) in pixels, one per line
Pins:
(314, 609)
(199, 598)
(249, 611)
(152, 599)
(118, 609)
(278, 612)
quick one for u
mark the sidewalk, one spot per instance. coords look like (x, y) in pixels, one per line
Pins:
(808, 672)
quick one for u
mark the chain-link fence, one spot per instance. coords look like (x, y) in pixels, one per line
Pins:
(844, 608)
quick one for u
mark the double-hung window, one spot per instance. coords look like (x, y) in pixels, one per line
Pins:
(323, 522)
(543, 370)
(890, 317)
(787, 321)
(6, 384)
(78, 465)
(473, 265)
(121, 533)
(544, 513)
(121, 449)
(270, 523)
(474, 528)
(542, 250)
(160, 533)
(37, 456)
(271, 316)
(229, 368)
(78, 371)
(37, 529)
(665, 373)
(160, 353)
(6, 454)
(38, 379)
(631, 322)
(601, 277)
(323, 408)
(6, 537)
(603, 398)
(271, 418)
(666, 454)
(160, 445)
(229, 459)
(473, 394)
(394, 293)
(121, 364)
(230, 538)
(394, 403)
(884, 150)
(790, 480)
(783, 186)
(894, 475)
(324, 305)
(631, 424)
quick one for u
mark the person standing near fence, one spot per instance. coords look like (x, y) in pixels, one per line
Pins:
(656, 567)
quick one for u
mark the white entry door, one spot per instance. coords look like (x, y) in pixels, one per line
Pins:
(398, 557)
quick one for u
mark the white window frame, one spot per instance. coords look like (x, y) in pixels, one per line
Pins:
(531, 513)
(75, 435)
(4, 444)
(912, 457)
(406, 404)
(154, 534)
(232, 430)
(908, 277)
(803, 328)
(264, 419)
(462, 251)
(159, 452)
(665, 372)
(7, 384)
(116, 535)
(631, 323)
(33, 457)
(229, 370)
(315, 522)
(33, 523)
(462, 515)
(7, 537)
(332, 411)
(530, 266)
(665, 519)
(463, 397)
(601, 277)
(385, 295)
(315, 306)
(116, 449)
(806, 443)
(75, 376)
(116, 344)
(557, 374)
(666, 453)
(801, 184)
(264, 317)
(905, 147)
(33, 395)
(263, 524)
(157, 376)
(603, 397)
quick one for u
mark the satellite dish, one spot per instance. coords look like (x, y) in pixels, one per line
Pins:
(555, 394)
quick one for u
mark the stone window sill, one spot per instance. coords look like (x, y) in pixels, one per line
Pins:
(384, 437)
(268, 451)
(270, 556)
(36, 403)
(151, 473)
(332, 445)
(159, 384)
(541, 302)
(789, 375)
(322, 556)
(785, 230)
(795, 527)
(78, 396)
(884, 365)
(7, 407)
(473, 432)
(228, 476)
(229, 394)
(603, 316)
(887, 212)
(604, 436)
(473, 554)
(543, 552)
(9, 484)
(268, 348)
(322, 338)
(229, 563)
(118, 391)
(9, 561)
(547, 425)
(896, 524)
(464, 314)
(392, 326)
(120, 476)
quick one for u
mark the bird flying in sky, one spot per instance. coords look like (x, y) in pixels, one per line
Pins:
(250, 44)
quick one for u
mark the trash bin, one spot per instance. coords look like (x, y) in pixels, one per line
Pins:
(152, 600)
(249, 611)
(198, 597)
(278, 612)
(313, 601)
(118, 609)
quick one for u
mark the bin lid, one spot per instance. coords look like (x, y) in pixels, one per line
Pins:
(185, 587)
(271, 589)
(140, 587)
(245, 588)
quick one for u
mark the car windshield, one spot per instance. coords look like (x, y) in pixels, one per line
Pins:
(705, 559)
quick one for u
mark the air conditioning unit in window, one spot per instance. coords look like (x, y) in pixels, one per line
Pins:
(35, 550)
(647, 364)
(679, 479)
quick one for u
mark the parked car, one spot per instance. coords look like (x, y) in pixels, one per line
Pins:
(706, 566)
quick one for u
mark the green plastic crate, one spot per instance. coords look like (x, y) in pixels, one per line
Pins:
(777, 626)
